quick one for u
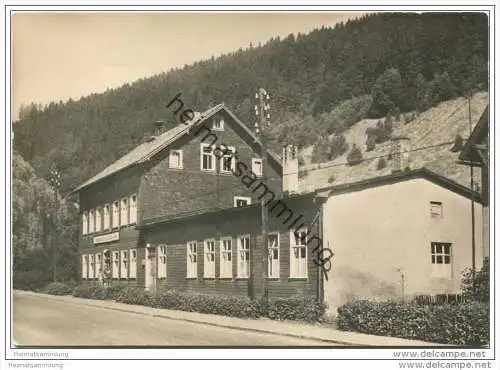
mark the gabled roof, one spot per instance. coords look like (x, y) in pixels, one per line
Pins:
(396, 177)
(480, 131)
(147, 150)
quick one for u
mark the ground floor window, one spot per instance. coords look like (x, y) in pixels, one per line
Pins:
(85, 261)
(92, 267)
(162, 261)
(273, 243)
(192, 258)
(298, 253)
(98, 264)
(209, 265)
(116, 265)
(124, 265)
(133, 264)
(226, 258)
(441, 260)
(244, 256)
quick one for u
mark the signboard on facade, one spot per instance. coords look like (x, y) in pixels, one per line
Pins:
(107, 238)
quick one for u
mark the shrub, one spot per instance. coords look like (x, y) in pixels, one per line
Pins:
(58, 289)
(204, 303)
(294, 308)
(303, 173)
(331, 179)
(370, 143)
(30, 280)
(132, 295)
(381, 164)
(482, 283)
(458, 145)
(461, 324)
(354, 157)
(91, 290)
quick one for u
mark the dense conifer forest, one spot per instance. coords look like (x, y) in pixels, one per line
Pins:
(376, 65)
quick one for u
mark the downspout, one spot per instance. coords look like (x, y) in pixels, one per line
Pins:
(320, 291)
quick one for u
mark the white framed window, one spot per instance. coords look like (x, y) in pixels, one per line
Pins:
(298, 253)
(209, 265)
(124, 265)
(218, 124)
(273, 266)
(227, 161)
(192, 258)
(98, 221)
(257, 166)
(436, 209)
(91, 221)
(441, 260)
(124, 212)
(226, 257)
(175, 159)
(98, 263)
(162, 261)
(116, 265)
(85, 261)
(242, 201)
(133, 209)
(85, 223)
(133, 264)
(106, 216)
(92, 267)
(116, 214)
(244, 256)
(207, 159)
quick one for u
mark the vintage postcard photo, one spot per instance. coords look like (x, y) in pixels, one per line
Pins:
(251, 180)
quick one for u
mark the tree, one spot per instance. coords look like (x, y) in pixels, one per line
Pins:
(370, 143)
(477, 287)
(354, 157)
(458, 145)
(387, 92)
(338, 146)
(381, 164)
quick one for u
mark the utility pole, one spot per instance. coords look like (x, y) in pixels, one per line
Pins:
(473, 214)
(262, 111)
(55, 182)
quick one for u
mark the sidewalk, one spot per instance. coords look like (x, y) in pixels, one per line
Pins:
(298, 330)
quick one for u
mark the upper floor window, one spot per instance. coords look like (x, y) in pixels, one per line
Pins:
(441, 260)
(207, 157)
(85, 223)
(257, 166)
(162, 261)
(133, 209)
(227, 161)
(133, 264)
(298, 253)
(209, 266)
(124, 212)
(98, 219)
(106, 216)
(244, 256)
(192, 259)
(226, 260)
(175, 159)
(242, 201)
(436, 209)
(91, 221)
(116, 214)
(218, 124)
(273, 243)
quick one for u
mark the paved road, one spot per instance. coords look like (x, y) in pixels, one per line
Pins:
(43, 321)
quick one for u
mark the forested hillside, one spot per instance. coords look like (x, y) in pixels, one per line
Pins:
(389, 63)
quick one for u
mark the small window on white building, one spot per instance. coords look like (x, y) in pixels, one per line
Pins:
(273, 266)
(124, 212)
(175, 159)
(298, 253)
(441, 260)
(244, 256)
(218, 124)
(133, 264)
(124, 265)
(92, 272)
(106, 216)
(116, 214)
(226, 258)
(242, 201)
(227, 161)
(207, 159)
(98, 221)
(209, 265)
(98, 263)
(436, 209)
(116, 265)
(192, 258)
(85, 261)
(162, 261)
(91, 221)
(85, 223)
(133, 209)
(257, 167)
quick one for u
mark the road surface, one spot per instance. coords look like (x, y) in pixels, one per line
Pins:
(39, 320)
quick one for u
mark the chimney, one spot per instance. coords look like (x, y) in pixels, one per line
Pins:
(290, 169)
(158, 128)
(400, 149)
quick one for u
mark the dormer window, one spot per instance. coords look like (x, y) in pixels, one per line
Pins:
(218, 124)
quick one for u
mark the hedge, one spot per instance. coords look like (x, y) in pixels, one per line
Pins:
(59, 288)
(462, 324)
